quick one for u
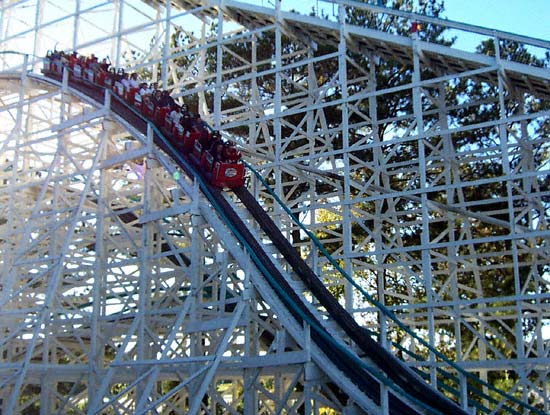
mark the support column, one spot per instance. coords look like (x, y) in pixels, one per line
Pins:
(38, 18)
(119, 16)
(219, 67)
(145, 268)
(76, 24)
(277, 130)
(166, 48)
(97, 346)
(507, 172)
(346, 209)
(424, 187)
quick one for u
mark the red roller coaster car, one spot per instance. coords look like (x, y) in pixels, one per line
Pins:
(218, 161)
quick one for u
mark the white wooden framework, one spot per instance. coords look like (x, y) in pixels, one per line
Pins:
(123, 292)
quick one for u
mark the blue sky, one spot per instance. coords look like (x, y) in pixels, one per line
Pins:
(522, 17)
